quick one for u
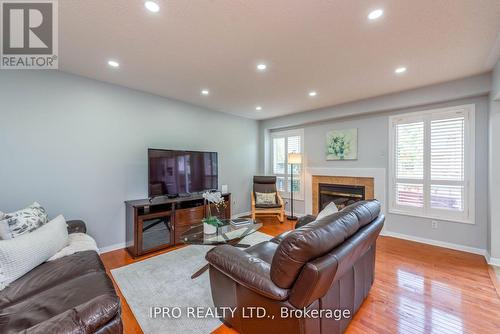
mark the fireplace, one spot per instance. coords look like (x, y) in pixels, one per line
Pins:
(340, 194)
(342, 190)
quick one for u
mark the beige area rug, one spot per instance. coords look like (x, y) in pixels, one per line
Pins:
(165, 281)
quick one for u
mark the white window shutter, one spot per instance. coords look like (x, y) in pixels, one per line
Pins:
(432, 163)
(447, 167)
(447, 149)
(409, 157)
(282, 143)
(410, 151)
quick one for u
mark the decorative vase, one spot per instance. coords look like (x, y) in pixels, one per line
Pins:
(209, 229)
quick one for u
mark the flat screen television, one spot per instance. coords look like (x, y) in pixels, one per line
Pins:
(181, 172)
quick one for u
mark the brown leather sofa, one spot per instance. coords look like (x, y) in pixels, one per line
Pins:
(326, 264)
(72, 294)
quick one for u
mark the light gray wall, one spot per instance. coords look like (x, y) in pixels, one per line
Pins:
(494, 167)
(373, 149)
(477, 85)
(79, 146)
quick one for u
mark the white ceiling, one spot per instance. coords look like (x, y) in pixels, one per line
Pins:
(326, 45)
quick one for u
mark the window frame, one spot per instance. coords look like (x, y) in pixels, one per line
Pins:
(467, 216)
(285, 134)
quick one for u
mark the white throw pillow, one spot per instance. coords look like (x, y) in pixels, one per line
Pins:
(330, 209)
(20, 255)
(265, 198)
(77, 242)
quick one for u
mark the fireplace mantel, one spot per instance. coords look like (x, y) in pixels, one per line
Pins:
(378, 175)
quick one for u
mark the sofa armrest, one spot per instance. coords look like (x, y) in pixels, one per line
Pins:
(76, 226)
(305, 220)
(247, 270)
(279, 238)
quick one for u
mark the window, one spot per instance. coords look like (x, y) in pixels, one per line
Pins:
(282, 143)
(431, 165)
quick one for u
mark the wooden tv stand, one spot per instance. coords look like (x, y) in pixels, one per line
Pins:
(159, 224)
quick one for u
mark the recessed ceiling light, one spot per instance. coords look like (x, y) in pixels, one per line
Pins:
(258, 108)
(152, 6)
(261, 67)
(400, 70)
(375, 14)
(313, 93)
(113, 63)
(205, 92)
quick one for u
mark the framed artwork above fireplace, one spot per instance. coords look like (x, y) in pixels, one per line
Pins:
(342, 144)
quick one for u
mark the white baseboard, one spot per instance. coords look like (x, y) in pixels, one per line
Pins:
(493, 261)
(112, 247)
(438, 243)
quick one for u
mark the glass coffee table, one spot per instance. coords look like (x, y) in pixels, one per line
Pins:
(231, 232)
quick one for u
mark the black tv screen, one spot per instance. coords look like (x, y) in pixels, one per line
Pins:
(181, 172)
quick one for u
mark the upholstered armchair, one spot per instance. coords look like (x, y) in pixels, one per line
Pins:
(267, 184)
(326, 264)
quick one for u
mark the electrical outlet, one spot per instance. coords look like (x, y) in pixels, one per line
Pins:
(434, 224)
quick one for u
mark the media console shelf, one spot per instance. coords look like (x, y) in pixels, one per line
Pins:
(155, 225)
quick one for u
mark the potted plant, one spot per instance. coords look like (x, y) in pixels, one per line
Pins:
(210, 223)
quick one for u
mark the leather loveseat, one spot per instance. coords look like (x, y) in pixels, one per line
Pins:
(72, 294)
(325, 264)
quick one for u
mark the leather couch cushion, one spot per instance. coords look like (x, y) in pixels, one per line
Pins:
(366, 211)
(318, 238)
(88, 318)
(71, 294)
(249, 271)
(264, 251)
(88, 301)
(280, 237)
(50, 274)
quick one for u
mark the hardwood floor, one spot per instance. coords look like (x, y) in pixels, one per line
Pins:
(418, 289)
(495, 277)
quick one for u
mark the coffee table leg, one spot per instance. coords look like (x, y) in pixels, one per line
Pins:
(200, 271)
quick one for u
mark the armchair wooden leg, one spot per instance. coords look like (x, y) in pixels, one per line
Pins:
(282, 217)
(253, 215)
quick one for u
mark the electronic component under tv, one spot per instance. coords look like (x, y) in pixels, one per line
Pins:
(173, 173)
